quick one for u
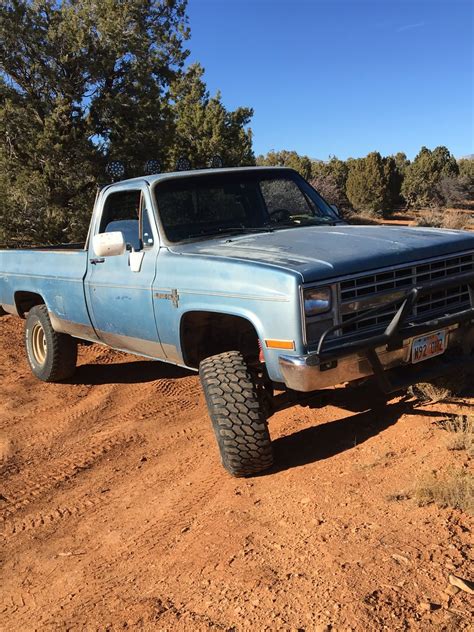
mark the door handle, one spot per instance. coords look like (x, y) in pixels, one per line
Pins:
(97, 260)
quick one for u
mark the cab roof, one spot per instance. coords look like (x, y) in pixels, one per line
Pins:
(171, 175)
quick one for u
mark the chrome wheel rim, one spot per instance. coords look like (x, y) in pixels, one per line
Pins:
(38, 344)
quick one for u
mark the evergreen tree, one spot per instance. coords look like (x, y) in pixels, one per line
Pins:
(285, 158)
(329, 178)
(466, 177)
(421, 185)
(86, 81)
(394, 167)
(204, 127)
(367, 183)
(82, 80)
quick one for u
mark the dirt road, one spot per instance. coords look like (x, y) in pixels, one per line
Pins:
(117, 514)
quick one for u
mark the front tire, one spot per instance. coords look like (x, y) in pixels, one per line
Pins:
(52, 356)
(237, 414)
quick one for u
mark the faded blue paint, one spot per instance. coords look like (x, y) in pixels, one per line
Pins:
(257, 277)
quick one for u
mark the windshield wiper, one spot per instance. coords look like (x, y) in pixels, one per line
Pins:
(232, 229)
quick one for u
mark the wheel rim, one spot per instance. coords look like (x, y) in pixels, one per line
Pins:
(38, 344)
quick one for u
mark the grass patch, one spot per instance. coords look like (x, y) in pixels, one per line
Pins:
(452, 490)
(454, 220)
(447, 387)
(461, 433)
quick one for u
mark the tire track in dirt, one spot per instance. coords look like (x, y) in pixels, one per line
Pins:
(33, 485)
(48, 517)
(37, 426)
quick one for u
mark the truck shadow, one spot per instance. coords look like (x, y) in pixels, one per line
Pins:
(326, 440)
(374, 414)
(137, 372)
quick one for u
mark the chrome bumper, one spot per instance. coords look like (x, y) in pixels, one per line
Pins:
(382, 353)
(309, 373)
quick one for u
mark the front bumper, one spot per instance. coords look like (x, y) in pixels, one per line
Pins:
(387, 355)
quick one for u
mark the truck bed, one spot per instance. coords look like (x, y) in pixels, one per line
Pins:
(54, 273)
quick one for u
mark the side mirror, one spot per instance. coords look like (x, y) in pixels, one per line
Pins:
(336, 210)
(109, 244)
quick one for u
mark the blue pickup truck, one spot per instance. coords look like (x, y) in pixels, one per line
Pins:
(250, 277)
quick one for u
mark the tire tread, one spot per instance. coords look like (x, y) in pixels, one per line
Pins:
(236, 413)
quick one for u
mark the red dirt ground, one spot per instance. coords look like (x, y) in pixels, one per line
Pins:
(117, 513)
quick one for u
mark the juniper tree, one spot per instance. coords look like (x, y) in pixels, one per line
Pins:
(204, 128)
(421, 184)
(285, 158)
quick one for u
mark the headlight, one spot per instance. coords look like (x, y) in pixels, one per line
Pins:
(317, 301)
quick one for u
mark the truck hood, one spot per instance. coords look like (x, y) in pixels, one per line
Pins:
(323, 252)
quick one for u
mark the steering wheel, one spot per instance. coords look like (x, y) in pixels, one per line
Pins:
(280, 215)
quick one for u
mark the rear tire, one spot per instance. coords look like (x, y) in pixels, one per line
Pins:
(237, 414)
(52, 356)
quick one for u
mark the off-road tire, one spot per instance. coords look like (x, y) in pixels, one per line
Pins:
(237, 414)
(60, 350)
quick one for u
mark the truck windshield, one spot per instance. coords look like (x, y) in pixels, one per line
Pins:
(241, 201)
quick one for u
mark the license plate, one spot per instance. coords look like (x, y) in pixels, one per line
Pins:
(429, 346)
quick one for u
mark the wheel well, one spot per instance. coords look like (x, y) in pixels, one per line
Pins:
(24, 301)
(204, 334)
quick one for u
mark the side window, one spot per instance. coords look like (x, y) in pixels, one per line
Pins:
(122, 213)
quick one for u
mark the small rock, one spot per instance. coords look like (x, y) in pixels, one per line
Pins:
(428, 606)
(463, 584)
(305, 501)
(451, 590)
(400, 558)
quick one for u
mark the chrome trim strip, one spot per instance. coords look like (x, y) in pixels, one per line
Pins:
(250, 297)
(43, 276)
(303, 316)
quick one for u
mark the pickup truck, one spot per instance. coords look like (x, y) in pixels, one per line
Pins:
(250, 277)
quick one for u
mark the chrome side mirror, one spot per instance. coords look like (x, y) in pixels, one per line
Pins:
(109, 244)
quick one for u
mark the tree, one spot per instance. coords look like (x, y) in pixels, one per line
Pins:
(329, 178)
(87, 81)
(367, 183)
(285, 158)
(203, 127)
(83, 80)
(466, 177)
(421, 185)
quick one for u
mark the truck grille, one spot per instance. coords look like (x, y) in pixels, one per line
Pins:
(363, 293)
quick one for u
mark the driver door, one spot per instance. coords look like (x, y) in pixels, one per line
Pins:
(119, 288)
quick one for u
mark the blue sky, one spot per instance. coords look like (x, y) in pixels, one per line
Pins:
(342, 77)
